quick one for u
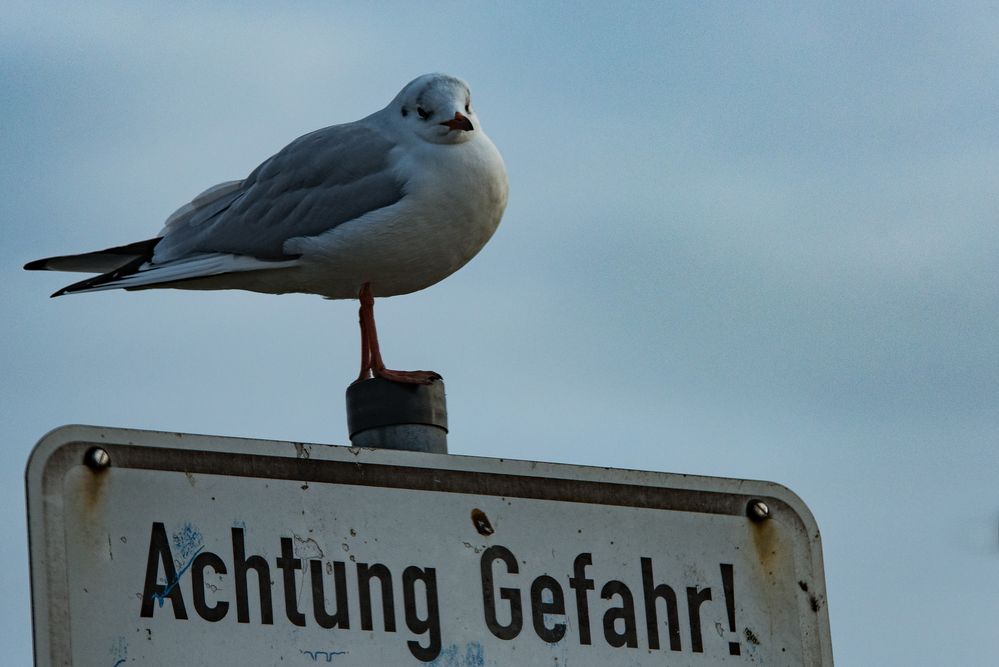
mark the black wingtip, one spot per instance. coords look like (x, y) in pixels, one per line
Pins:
(37, 265)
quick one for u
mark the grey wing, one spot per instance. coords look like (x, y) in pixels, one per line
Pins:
(317, 182)
(205, 206)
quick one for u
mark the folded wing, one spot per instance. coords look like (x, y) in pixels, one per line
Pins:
(314, 184)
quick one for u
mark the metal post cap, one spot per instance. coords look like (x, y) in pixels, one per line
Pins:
(377, 402)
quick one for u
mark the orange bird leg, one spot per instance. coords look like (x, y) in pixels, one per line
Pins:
(363, 321)
(371, 355)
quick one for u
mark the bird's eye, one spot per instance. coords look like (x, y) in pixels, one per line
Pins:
(405, 112)
(468, 107)
(424, 114)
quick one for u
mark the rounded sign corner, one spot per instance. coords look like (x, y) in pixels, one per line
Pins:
(51, 442)
(795, 503)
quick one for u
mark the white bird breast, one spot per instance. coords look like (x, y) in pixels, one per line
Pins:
(455, 197)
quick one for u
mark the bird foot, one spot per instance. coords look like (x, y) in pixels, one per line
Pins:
(407, 377)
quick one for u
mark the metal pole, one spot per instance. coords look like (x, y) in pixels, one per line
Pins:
(395, 415)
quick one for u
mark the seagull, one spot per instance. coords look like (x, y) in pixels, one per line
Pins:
(386, 205)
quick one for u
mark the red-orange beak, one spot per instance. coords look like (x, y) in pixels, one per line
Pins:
(459, 122)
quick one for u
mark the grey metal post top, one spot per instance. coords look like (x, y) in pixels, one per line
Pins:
(395, 415)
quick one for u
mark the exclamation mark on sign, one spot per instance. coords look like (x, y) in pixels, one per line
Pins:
(728, 584)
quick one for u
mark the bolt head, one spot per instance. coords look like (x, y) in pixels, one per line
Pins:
(757, 510)
(97, 458)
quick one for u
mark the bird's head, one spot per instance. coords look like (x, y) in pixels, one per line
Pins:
(436, 108)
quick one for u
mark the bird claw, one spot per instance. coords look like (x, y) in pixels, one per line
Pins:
(408, 377)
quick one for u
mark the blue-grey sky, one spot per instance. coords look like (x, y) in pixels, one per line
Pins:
(747, 240)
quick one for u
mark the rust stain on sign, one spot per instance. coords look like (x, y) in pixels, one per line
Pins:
(481, 522)
(813, 600)
(766, 541)
(95, 483)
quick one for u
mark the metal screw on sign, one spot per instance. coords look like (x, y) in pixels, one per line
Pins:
(757, 510)
(97, 458)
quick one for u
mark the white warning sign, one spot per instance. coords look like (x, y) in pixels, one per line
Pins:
(155, 548)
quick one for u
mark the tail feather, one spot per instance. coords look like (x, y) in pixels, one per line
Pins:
(104, 280)
(139, 274)
(129, 267)
(101, 261)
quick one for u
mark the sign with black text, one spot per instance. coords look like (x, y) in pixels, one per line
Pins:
(155, 548)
